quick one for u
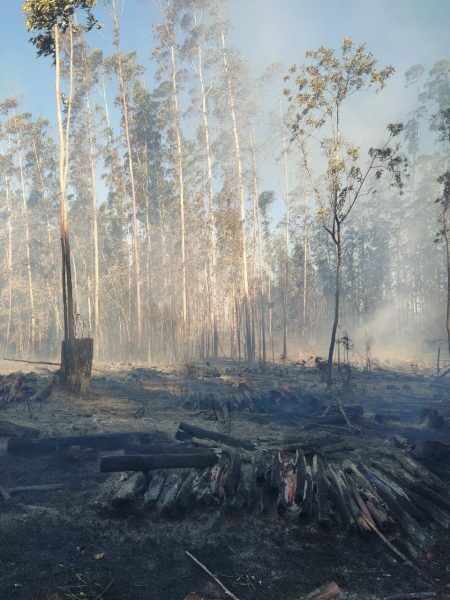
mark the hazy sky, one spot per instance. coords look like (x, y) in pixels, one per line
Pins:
(399, 32)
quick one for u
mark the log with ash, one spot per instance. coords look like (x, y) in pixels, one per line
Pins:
(368, 493)
(285, 400)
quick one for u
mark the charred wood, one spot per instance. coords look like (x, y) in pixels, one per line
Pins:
(198, 432)
(149, 462)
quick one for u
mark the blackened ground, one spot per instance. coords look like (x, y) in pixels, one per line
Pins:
(56, 545)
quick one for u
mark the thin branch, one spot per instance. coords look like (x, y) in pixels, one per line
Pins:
(219, 583)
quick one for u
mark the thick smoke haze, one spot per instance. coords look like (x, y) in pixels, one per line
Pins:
(183, 226)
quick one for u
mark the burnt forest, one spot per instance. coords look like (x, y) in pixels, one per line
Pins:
(224, 300)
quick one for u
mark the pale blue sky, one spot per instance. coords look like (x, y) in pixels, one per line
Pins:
(399, 32)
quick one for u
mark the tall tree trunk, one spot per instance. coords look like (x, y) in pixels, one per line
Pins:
(9, 258)
(179, 154)
(63, 168)
(337, 241)
(94, 221)
(210, 193)
(241, 194)
(28, 251)
(136, 255)
(446, 220)
(286, 238)
(305, 275)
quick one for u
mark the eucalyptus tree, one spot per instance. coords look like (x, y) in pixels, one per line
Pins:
(200, 50)
(52, 20)
(438, 92)
(125, 69)
(166, 54)
(88, 69)
(321, 91)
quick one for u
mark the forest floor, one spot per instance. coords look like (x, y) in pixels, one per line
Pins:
(57, 545)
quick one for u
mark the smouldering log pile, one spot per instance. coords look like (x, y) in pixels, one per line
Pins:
(372, 492)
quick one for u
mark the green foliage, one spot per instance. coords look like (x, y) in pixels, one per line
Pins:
(43, 15)
(321, 86)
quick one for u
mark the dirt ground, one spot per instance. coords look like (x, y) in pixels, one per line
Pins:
(58, 545)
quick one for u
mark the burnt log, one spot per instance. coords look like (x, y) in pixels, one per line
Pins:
(230, 479)
(202, 491)
(304, 485)
(368, 494)
(417, 535)
(101, 441)
(164, 449)
(149, 462)
(340, 497)
(246, 493)
(222, 438)
(155, 487)
(420, 472)
(186, 496)
(287, 490)
(321, 485)
(132, 486)
(168, 498)
(416, 486)
(387, 474)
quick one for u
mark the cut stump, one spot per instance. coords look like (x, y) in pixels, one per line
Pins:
(76, 363)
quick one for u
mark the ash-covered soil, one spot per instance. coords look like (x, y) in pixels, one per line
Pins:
(58, 544)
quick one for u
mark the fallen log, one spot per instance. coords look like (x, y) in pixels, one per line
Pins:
(149, 462)
(101, 441)
(325, 592)
(412, 596)
(417, 535)
(164, 449)
(198, 432)
(368, 494)
(387, 474)
(33, 362)
(43, 487)
(9, 429)
(419, 471)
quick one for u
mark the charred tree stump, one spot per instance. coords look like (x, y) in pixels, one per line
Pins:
(76, 363)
